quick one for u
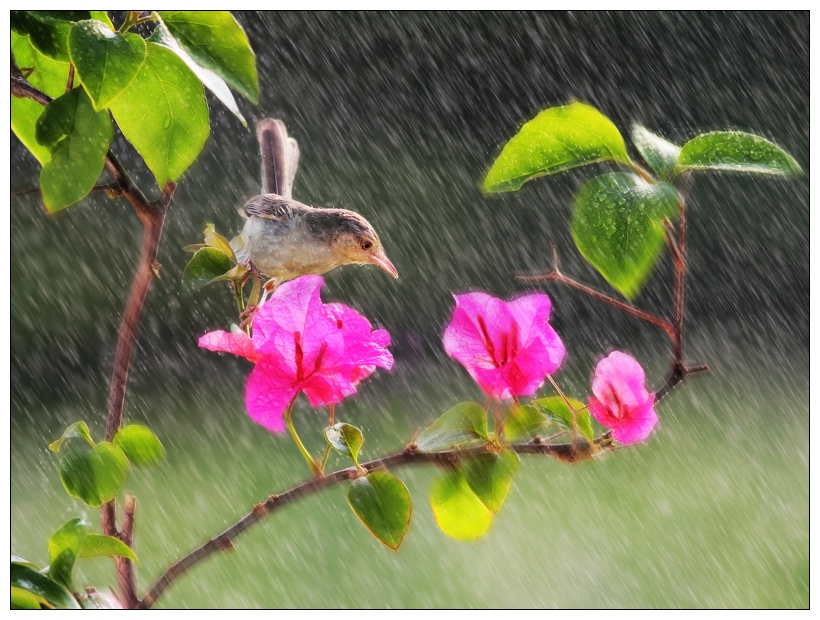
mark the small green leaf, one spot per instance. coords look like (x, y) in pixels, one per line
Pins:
(105, 61)
(140, 445)
(24, 562)
(461, 424)
(23, 599)
(50, 38)
(522, 421)
(618, 227)
(51, 593)
(211, 80)
(490, 476)
(96, 475)
(63, 549)
(458, 511)
(215, 240)
(659, 153)
(382, 503)
(345, 439)
(256, 291)
(736, 151)
(78, 138)
(102, 16)
(49, 76)
(163, 113)
(205, 266)
(60, 16)
(195, 247)
(96, 545)
(557, 139)
(78, 429)
(215, 40)
(557, 412)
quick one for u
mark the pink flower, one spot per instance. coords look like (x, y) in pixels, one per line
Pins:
(300, 344)
(620, 401)
(507, 347)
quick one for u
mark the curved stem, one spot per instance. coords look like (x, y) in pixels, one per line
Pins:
(289, 423)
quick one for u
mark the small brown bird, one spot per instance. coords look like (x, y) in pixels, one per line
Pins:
(285, 239)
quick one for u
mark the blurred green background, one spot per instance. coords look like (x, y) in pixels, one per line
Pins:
(398, 116)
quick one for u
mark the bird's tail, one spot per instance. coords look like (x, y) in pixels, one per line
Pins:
(279, 155)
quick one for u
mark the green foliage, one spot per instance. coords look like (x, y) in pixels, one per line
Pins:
(457, 509)
(163, 113)
(64, 548)
(490, 476)
(32, 590)
(47, 35)
(659, 153)
(736, 151)
(523, 421)
(217, 42)
(98, 545)
(78, 138)
(618, 227)
(557, 411)
(140, 445)
(557, 139)
(382, 503)
(460, 425)
(94, 475)
(215, 240)
(207, 265)
(78, 429)
(105, 61)
(345, 439)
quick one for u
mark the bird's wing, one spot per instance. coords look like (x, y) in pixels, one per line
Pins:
(269, 207)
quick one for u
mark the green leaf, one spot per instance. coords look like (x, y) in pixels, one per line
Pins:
(105, 61)
(102, 16)
(63, 549)
(490, 476)
(50, 77)
(522, 421)
(461, 424)
(382, 503)
(737, 151)
(24, 562)
(96, 545)
(458, 511)
(557, 412)
(211, 80)
(660, 154)
(345, 439)
(215, 40)
(215, 240)
(207, 265)
(78, 138)
(60, 16)
(557, 139)
(23, 599)
(163, 113)
(140, 445)
(51, 593)
(618, 227)
(78, 429)
(96, 475)
(50, 38)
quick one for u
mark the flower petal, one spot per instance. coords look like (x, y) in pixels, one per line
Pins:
(622, 375)
(271, 387)
(238, 343)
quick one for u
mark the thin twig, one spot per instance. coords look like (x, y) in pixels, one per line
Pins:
(70, 83)
(125, 566)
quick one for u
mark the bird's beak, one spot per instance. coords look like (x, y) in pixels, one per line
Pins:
(382, 261)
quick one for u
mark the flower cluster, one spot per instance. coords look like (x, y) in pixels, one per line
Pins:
(300, 344)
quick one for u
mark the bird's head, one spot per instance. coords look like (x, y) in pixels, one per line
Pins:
(352, 239)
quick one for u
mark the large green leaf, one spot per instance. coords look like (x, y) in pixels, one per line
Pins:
(557, 139)
(211, 80)
(47, 592)
(78, 429)
(215, 40)
(382, 503)
(140, 445)
(95, 475)
(737, 151)
(105, 61)
(48, 76)
(60, 16)
(490, 476)
(78, 138)
(461, 424)
(618, 226)
(458, 511)
(163, 113)
(96, 545)
(522, 421)
(345, 439)
(659, 153)
(557, 411)
(64, 548)
(205, 266)
(49, 37)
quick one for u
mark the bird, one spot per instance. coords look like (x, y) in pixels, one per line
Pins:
(283, 238)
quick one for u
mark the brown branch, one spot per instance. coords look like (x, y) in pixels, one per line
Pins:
(125, 567)
(70, 84)
(409, 456)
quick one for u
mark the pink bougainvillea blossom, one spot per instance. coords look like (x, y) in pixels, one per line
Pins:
(620, 401)
(507, 347)
(300, 344)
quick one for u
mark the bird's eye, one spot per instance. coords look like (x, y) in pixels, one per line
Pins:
(366, 245)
